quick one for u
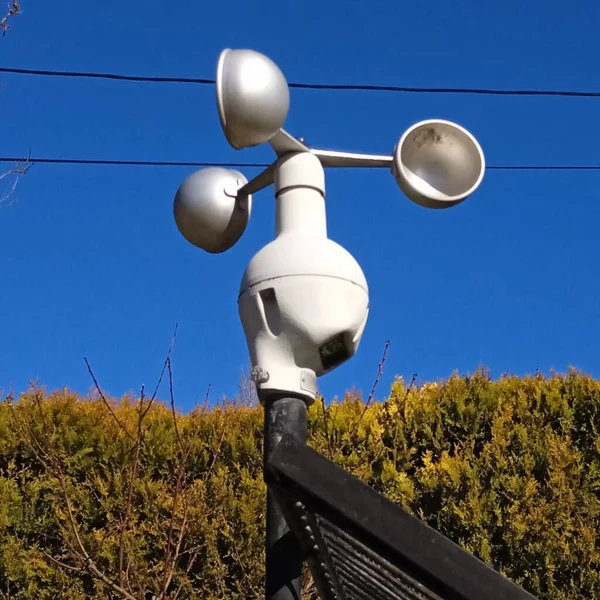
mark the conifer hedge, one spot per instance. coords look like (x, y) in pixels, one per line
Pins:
(509, 469)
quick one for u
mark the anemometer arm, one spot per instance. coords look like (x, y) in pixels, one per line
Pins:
(283, 143)
(263, 180)
(332, 158)
(436, 163)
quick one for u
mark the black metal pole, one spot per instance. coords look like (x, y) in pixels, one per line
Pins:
(283, 580)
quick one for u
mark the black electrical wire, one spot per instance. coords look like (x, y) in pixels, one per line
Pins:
(306, 86)
(245, 165)
(128, 163)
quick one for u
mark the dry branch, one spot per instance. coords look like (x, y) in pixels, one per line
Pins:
(326, 427)
(374, 388)
(13, 10)
(173, 555)
(21, 167)
(132, 480)
(106, 402)
(52, 464)
(123, 576)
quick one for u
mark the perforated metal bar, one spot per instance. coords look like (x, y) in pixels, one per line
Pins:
(361, 546)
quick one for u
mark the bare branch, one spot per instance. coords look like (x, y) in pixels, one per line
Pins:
(247, 394)
(177, 552)
(53, 466)
(61, 564)
(374, 388)
(216, 455)
(191, 561)
(383, 447)
(165, 365)
(14, 10)
(408, 389)
(326, 424)
(206, 400)
(106, 402)
(21, 167)
(38, 403)
(83, 554)
(193, 552)
(256, 593)
(172, 553)
(26, 433)
(179, 556)
(132, 480)
(172, 397)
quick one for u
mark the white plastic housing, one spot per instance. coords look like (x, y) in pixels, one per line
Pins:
(304, 299)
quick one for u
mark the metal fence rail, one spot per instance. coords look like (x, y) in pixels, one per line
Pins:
(361, 546)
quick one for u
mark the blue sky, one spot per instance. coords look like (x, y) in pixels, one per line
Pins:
(91, 263)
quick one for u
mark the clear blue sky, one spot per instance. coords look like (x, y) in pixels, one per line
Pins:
(91, 263)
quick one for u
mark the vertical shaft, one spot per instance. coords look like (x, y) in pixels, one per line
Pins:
(283, 415)
(300, 195)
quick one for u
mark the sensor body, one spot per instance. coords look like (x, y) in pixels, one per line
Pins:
(304, 299)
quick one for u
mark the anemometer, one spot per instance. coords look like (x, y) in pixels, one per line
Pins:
(304, 300)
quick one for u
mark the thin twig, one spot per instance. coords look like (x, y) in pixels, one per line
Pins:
(191, 561)
(374, 388)
(14, 10)
(326, 425)
(61, 564)
(214, 460)
(137, 581)
(53, 466)
(21, 167)
(172, 555)
(191, 550)
(42, 415)
(132, 480)
(177, 553)
(106, 402)
(206, 398)
(89, 563)
(396, 421)
(247, 577)
(408, 389)
(165, 365)
(172, 398)
(194, 552)
(27, 434)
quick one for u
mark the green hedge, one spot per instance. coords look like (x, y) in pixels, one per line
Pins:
(509, 469)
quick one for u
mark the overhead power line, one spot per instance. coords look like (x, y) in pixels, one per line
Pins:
(245, 165)
(129, 163)
(306, 86)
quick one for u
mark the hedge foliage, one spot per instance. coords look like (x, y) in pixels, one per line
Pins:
(509, 469)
